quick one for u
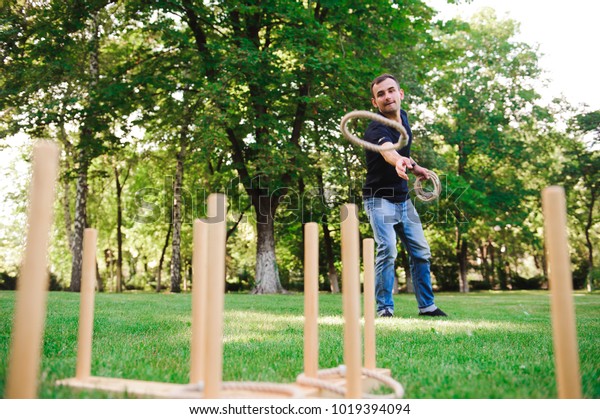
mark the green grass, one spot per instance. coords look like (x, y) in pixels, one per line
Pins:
(493, 345)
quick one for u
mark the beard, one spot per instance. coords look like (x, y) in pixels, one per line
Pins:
(389, 110)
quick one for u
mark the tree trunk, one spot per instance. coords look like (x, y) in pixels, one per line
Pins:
(267, 274)
(162, 258)
(119, 287)
(396, 286)
(491, 251)
(588, 242)
(67, 186)
(187, 278)
(108, 260)
(332, 275)
(461, 244)
(544, 263)
(176, 221)
(406, 265)
(485, 267)
(99, 285)
(184, 142)
(84, 159)
(502, 271)
(67, 214)
(79, 226)
(461, 257)
(464, 264)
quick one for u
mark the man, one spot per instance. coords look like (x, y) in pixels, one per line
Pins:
(388, 206)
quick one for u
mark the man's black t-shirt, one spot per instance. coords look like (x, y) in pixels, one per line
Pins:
(382, 180)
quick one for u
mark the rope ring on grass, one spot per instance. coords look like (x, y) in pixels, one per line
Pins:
(319, 382)
(375, 117)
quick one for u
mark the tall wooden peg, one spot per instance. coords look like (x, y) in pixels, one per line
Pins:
(351, 300)
(566, 357)
(32, 285)
(311, 299)
(199, 301)
(217, 237)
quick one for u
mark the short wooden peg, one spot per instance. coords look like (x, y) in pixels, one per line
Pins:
(86, 308)
(311, 299)
(369, 303)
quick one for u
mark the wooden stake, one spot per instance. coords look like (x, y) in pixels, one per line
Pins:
(199, 301)
(32, 286)
(217, 236)
(566, 357)
(351, 298)
(86, 308)
(369, 303)
(311, 299)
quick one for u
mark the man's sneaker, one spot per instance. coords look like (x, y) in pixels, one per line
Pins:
(386, 312)
(435, 313)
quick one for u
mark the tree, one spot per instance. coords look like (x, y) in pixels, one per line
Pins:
(51, 78)
(481, 95)
(582, 172)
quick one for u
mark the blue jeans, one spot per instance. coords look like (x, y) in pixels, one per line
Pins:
(390, 220)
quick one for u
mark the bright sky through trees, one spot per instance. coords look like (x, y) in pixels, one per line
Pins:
(566, 33)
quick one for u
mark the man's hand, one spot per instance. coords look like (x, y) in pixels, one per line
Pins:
(401, 165)
(420, 172)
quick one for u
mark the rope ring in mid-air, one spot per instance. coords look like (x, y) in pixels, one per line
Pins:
(375, 117)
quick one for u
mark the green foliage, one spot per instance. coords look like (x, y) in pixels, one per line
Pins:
(483, 94)
(588, 122)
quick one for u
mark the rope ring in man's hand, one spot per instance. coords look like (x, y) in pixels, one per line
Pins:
(427, 196)
(375, 117)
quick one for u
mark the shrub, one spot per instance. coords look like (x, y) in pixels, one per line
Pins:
(55, 284)
(519, 283)
(477, 285)
(446, 276)
(7, 281)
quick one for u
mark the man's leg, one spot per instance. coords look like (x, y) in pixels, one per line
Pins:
(382, 216)
(413, 238)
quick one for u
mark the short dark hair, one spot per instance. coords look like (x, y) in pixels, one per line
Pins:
(382, 78)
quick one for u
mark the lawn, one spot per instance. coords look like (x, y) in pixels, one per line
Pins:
(493, 345)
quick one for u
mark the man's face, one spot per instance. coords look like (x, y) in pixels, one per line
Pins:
(387, 97)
